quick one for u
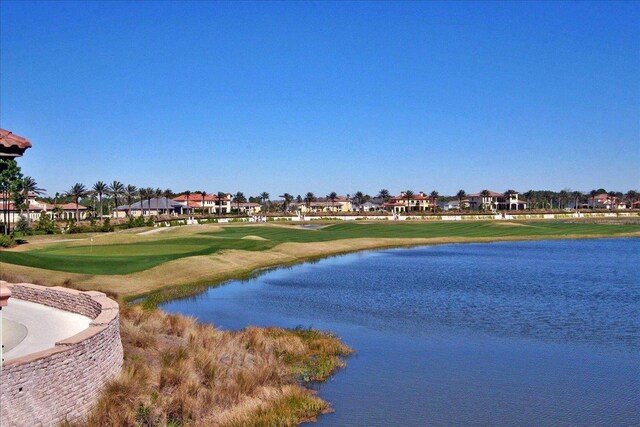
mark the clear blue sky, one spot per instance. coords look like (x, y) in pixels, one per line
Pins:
(325, 97)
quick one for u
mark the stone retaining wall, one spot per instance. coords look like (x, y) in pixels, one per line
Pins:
(62, 383)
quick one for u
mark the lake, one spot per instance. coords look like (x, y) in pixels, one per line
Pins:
(508, 333)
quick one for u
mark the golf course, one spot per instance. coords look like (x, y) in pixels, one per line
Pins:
(135, 262)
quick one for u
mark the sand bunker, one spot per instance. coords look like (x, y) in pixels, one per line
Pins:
(253, 238)
(514, 224)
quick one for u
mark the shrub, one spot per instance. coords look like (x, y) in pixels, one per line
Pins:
(106, 225)
(7, 241)
(45, 224)
(22, 226)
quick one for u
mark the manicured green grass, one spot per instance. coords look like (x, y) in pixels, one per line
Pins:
(137, 256)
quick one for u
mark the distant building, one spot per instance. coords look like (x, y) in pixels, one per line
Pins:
(152, 207)
(496, 201)
(340, 204)
(248, 208)
(604, 201)
(37, 208)
(211, 203)
(416, 203)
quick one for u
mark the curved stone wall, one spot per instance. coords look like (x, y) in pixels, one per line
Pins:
(62, 383)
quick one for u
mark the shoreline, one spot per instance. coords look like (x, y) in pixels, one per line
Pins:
(155, 298)
(235, 264)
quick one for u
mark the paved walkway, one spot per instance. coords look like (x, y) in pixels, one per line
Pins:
(28, 327)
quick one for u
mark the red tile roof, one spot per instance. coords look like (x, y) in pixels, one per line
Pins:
(491, 194)
(198, 197)
(13, 144)
(72, 207)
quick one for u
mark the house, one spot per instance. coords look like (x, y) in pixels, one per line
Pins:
(604, 201)
(496, 201)
(209, 203)
(248, 208)
(370, 206)
(69, 211)
(340, 204)
(12, 213)
(452, 205)
(152, 207)
(414, 203)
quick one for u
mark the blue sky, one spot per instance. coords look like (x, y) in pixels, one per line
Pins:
(325, 97)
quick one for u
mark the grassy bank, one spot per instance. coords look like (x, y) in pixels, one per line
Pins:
(130, 263)
(178, 372)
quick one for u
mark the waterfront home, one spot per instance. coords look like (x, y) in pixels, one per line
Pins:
(370, 206)
(210, 203)
(36, 208)
(604, 201)
(496, 201)
(340, 204)
(248, 208)
(453, 205)
(414, 203)
(152, 207)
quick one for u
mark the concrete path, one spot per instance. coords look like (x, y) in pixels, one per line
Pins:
(29, 327)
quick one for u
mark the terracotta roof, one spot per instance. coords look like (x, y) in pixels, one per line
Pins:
(198, 197)
(491, 194)
(72, 206)
(12, 145)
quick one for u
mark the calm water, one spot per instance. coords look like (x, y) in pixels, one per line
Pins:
(518, 333)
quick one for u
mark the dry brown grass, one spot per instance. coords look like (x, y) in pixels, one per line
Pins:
(180, 372)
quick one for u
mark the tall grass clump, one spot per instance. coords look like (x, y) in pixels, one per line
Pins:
(178, 372)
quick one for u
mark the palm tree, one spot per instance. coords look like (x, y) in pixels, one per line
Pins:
(359, 196)
(167, 194)
(507, 195)
(612, 198)
(100, 188)
(384, 195)
(149, 192)
(265, 200)
(408, 195)
(142, 192)
(332, 196)
(203, 194)
(288, 198)
(78, 191)
(239, 198)
(187, 194)
(129, 194)
(29, 185)
(461, 195)
(434, 197)
(221, 197)
(576, 199)
(308, 198)
(116, 189)
(158, 193)
(484, 194)
(593, 194)
(528, 195)
(563, 195)
(631, 196)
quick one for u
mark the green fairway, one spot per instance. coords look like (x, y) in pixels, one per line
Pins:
(124, 258)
